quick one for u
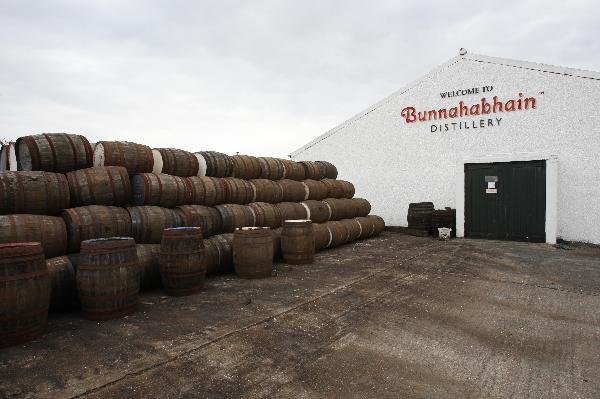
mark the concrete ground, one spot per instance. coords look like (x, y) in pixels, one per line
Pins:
(395, 316)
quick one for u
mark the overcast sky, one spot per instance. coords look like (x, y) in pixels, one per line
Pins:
(258, 77)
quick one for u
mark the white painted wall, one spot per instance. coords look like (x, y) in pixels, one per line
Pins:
(393, 163)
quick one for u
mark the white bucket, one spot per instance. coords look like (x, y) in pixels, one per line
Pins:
(444, 232)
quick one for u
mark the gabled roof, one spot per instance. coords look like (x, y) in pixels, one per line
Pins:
(558, 70)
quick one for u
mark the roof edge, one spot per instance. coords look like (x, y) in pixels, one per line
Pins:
(574, 72)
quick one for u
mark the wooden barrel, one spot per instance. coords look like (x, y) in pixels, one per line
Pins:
(182, 260)
(207, 191)
(443, 218)
(271, 168)
(379, 224)
(339, 188)
(293, 191)
(100, 185)
(53, 152)
(136, 158)
(293, 170)
(212, 251)
(291, 210)
(266, 190)
(108, 278)
(315, 189)
(148, 259)
(161, 190)
(33, 192)
(4, 150)
(276, 233)
(238, 191)
(339, 233)
(367, 227)
(253, 252)
(322, 235)
(173, 161)
(62, 281)
(246, 167)
(205, 217)
(316, 211)
(95, 221)
(298, 242)
(225, 244)
(50, 231)
(25, 292)
(313, 170)
(341, 208)
(362, 207)
(148, 222)
(353, 227)
(419, 216)
(331, 171)
(235, 216)
(217, 163)
(265, 214)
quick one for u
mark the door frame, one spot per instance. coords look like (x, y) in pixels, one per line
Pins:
(551, 217)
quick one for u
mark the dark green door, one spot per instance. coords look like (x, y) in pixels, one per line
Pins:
(506, 201)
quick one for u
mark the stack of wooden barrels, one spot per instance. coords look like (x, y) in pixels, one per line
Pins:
(59, 190)
(443, 218)
(419, 218)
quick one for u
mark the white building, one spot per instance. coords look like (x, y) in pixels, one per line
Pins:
(514, 146)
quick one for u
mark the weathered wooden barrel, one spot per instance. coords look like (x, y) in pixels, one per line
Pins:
(315, 189)
(271, 168)
(212, 251)
(225, 244)
(160, 189)
(207, 191)
(331, 171)
(148, 222)
(341, 208)
(293, 170)
(362, 207)
(62, 280)
(50, 231)
(217, 163)
(148, 259)
(4, 150)
(298, 242)
(379, 224)
(182, 260)
(206, 217)
(276, 233)
(266, 190)
(339, 188)
(53, 152)
(25, 292)
(246, 167)
(443, 218)
(419, 216)
(313, 170)
(108, 278)
(95, 221)
(354, 229)
(322, 236)
(293, 191)
(173, 161)
(136, 158)
(100, 185)
(339, 233)
(316, 211)
(253, 252)
(33, 192)
(238, 191)
(235, 216)
(265, 214)
(367, 227)
(291, 210)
